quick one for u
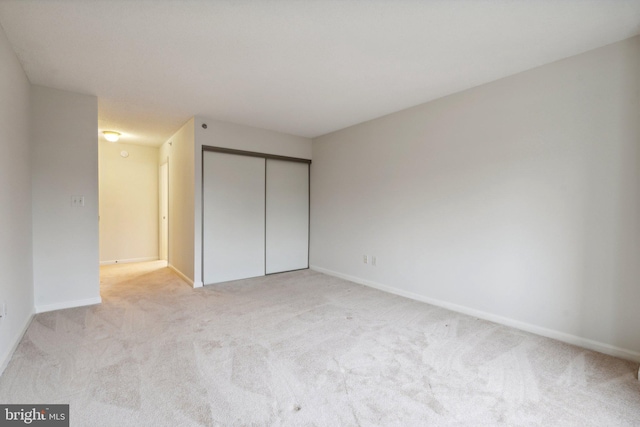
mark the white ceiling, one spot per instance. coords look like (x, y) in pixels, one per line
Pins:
(301, 67)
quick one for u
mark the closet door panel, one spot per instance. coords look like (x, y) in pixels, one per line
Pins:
(233, 217)
(287, 221)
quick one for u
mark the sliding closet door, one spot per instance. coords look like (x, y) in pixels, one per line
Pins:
(287, 216)
(233, 213)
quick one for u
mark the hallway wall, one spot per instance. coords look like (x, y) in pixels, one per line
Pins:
(128, 203)
(16, 277)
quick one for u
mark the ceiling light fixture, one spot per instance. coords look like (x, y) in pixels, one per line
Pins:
(111, 136)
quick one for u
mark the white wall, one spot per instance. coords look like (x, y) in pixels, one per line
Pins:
(128, 203)
(16, 278)
(179, 152)
(64, 163)
(237, 137)
(517, 201)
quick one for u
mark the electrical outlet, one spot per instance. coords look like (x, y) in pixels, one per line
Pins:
(77, 201)
(365, 259)
(373, 261)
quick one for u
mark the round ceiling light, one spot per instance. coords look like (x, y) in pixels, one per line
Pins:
(111, 136)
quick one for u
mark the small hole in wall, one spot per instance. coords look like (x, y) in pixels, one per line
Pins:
(204, 126)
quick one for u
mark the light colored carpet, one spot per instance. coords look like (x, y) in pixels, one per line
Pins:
(300, 349)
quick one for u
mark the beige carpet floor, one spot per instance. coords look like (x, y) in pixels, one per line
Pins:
(302, 349)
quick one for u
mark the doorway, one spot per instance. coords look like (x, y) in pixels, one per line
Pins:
(163, 210)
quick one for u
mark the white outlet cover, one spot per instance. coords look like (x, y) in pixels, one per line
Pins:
(77, 201)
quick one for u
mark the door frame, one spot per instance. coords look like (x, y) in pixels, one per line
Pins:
(163, 177)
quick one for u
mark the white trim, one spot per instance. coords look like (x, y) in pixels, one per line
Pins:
(126, 261)
(528, 327)
(68, 304)
(184, 277)
(7, 357)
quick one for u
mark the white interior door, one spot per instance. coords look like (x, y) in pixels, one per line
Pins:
(164, 211)
(234, 217)
(287, 246)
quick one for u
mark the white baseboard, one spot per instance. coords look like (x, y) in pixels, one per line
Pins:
(7, 356)
(67, 304)
(183, 276)
(528, 327)
(130, 260)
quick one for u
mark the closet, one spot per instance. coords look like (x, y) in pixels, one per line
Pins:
(255, 211)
